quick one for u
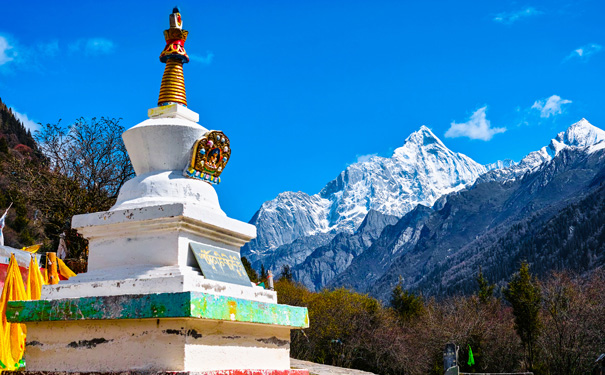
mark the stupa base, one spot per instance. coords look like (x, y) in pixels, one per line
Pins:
(186, 332)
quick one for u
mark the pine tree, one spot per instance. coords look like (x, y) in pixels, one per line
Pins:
(406, 304)
(286, 273)
(523, 294)
(252, 275)
(486, 291)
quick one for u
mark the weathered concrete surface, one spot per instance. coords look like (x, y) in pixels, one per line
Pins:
(317, 369)
(177, 344)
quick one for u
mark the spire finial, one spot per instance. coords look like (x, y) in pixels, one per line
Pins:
(174, 56)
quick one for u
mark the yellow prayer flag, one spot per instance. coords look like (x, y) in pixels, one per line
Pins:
(32, 249)
(45, 276)
(12, 335)
(35, 280)
(64, 270)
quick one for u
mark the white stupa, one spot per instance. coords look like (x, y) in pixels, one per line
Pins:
(165, 289)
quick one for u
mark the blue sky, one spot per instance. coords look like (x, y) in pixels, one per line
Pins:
(305, 88)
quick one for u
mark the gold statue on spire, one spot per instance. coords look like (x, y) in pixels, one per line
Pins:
(174, 56)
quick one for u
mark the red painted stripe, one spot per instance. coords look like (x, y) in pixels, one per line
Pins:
(246, 372)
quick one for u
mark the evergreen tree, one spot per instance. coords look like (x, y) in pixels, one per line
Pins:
(263, 273)
(523, 294)
(286, 273)
(406, 304)
(486, 290)
(3, 145)
(249, 270)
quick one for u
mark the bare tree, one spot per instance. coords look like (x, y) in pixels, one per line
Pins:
(574, 315)
(84, 165)
(89, 152)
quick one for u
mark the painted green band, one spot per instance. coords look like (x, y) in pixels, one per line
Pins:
(164, 305)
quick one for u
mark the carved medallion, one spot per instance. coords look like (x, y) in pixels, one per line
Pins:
(209, 158)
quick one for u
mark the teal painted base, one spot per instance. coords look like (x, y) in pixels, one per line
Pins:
(165, 305)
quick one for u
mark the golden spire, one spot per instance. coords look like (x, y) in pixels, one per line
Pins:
(174, 56)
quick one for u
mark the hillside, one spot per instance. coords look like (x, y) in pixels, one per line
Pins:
(17, 148)
(13, 131)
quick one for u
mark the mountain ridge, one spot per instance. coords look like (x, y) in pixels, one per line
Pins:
(338, 257)
(419, 172)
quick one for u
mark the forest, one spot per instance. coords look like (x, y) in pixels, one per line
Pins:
(552, 326)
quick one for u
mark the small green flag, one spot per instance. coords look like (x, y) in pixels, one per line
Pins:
(471, 360)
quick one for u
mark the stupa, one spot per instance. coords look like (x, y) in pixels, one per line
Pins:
(165, 289)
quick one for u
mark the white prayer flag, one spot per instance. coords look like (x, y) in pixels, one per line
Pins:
(62, 250)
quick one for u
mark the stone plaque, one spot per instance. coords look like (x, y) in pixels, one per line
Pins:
(450, 356)
(220, 264)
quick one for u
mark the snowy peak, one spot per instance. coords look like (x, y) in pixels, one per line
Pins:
(581, 134)
(421, 138)
(419, 172)
(500, 164)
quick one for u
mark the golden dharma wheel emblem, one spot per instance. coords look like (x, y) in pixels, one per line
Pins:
(209, 157)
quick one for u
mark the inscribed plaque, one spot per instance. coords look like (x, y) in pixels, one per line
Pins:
(450, 356)
(220, 264)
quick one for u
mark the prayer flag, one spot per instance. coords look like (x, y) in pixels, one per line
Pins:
(35, 280)
(2, 221)
(32, 249)
(62, 250)
(12, 335)
(64, 270)
(471, 360)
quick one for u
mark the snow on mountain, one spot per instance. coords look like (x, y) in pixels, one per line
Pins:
(500, 164)
(419, 172)
(582, 134)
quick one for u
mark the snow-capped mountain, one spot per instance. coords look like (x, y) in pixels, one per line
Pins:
(491, 225)
(419, 172)
(582, 134)
(401, 201)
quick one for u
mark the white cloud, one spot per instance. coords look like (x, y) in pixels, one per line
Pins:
(49, 49)
(7, 51)
(206, 60)
(477, 127)
(364, 158)
(551, 106)
(584, 52)
(17, 56)
(509, 18)
(26, 121)
(92, 46)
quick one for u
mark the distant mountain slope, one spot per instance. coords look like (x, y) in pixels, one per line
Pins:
(16, 143)
(419, 172)
(573, 238)
(13, 130)
(472, 228)
(329, 260)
